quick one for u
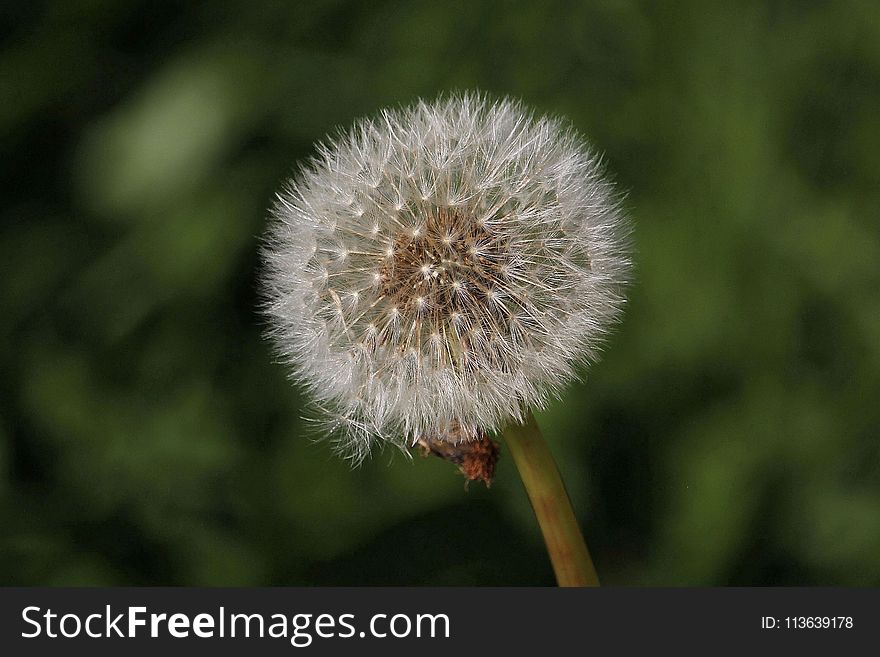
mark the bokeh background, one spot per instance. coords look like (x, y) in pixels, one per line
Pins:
(731, 434)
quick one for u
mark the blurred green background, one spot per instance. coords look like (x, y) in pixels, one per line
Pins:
(730, 435)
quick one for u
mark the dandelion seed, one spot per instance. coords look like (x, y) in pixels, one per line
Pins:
(476, 311)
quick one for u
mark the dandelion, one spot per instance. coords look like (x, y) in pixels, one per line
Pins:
(438, 271)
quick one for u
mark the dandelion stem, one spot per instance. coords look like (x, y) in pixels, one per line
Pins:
(540, 476)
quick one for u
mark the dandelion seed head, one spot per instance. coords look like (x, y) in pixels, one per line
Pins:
(439, 269)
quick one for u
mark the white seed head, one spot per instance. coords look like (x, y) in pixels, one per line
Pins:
(439, 269)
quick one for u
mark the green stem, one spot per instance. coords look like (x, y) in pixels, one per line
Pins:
(540, 476)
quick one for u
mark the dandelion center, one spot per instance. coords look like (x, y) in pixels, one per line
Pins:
(442, 276)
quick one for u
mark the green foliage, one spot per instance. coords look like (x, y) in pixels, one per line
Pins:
(730, 436)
